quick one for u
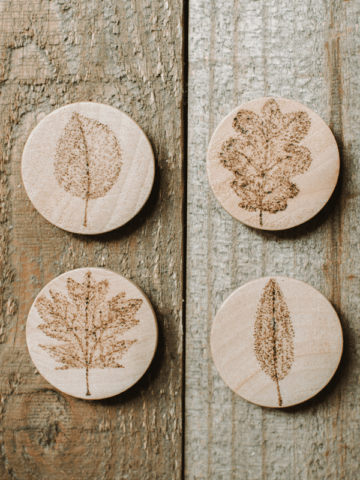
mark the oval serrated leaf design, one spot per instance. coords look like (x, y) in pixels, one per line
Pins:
(87, 159)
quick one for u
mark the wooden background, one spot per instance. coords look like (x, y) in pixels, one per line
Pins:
(309, 51)
(130, 54)
(126, 54)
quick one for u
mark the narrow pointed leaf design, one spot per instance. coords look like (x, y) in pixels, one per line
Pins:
(273, 335)
(87, 159)
(264, 154)
(88, 325)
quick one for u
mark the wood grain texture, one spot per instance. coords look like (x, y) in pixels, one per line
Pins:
(126, 54)
(88, 168)
(91, 333)
(273, 163)
(240, 50)
(276, 341)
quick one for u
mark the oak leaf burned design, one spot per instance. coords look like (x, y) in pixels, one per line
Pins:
(264, 155)
(88, 325)
(87, 159)
(273, 335)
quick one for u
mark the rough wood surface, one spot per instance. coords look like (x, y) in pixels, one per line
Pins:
(309, 51)
(88, 168)
(276, 341)
(124, 53)
(91, 333)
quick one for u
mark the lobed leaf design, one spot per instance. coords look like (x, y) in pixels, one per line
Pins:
(87, 159)
(265, 155)
(273, 335)
(88, 325)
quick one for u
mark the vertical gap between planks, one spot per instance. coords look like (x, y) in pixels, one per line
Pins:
(184, 149)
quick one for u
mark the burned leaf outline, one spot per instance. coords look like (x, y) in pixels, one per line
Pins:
(88, 324)
(265, 155)
(274, 335)
(88, 159)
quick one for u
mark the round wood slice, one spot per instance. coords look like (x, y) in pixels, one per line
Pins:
(273, 163)
(276, 341)
(88, 168)
(91, 333)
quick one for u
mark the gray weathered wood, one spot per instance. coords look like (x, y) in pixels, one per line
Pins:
(125, 53)
(240, 50)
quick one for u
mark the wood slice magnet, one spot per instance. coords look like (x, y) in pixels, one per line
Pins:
(273, 163)
(91, 333)
(276, 341)
(88, 168)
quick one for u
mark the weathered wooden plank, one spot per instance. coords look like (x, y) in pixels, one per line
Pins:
(240, 50)
(125, 53)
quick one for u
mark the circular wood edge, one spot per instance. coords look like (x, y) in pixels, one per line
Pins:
(291, 279)
(146, 299)
(32, 133)
(243, 221)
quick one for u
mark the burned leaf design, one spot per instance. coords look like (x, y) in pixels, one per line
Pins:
(273, 335)
(88, 325)
(87, 159)
(264, 156)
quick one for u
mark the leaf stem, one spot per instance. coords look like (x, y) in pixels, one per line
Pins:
(87, 171)
(87, 328)
(275, 358)
(86, 206)
(280, 401)
(87, 380)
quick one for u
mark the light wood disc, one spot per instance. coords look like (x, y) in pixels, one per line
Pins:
(276, 341)
(91, 333)
(273, 163)
(88, 168)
